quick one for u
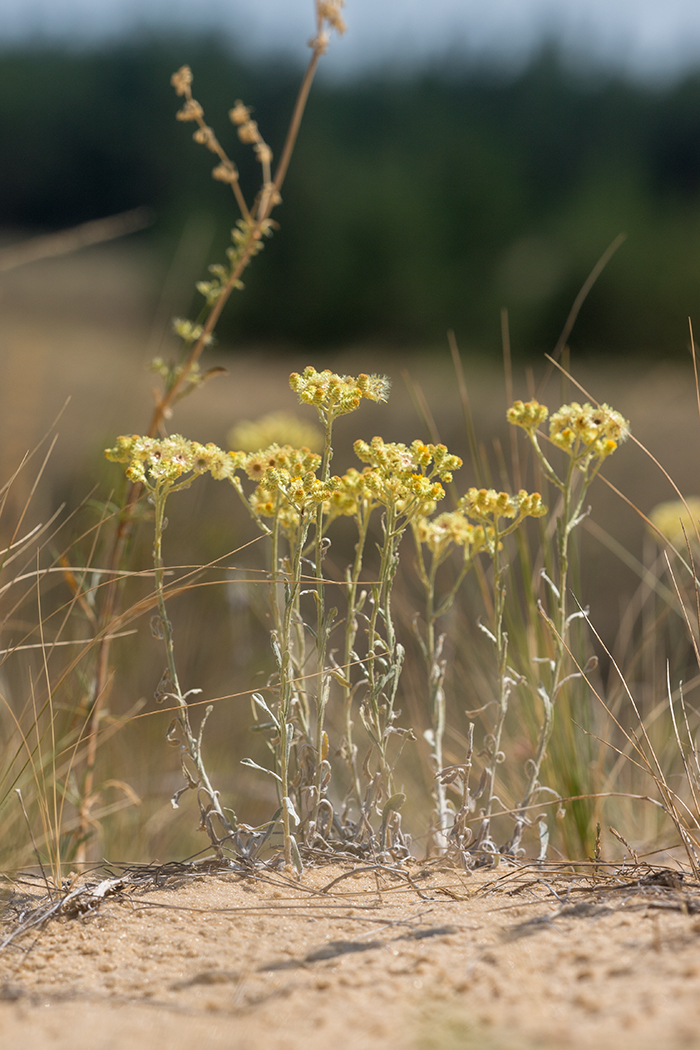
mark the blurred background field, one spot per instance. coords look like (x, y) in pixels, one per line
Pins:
(419, 200)
(413, 203)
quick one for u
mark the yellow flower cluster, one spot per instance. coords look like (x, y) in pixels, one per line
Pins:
(350, 492)
(402, 460)
(277, 427)
(414, 494)
(182, 81)
(287, 482)
(404, 476)
(487, 505)
(337, 395)
(673, 517)
(295, 461)
(302, 491)
(452, 527)
(582, 430)
(153, 460)
(271, 503)
(527, 414)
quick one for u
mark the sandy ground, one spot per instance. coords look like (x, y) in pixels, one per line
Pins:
(502, 959)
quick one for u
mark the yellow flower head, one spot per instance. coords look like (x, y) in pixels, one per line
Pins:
(451, 528)
(527, 414)
(329, 11)
(301, 491)
(182, 80)
(406, 477)
(270, 503)
(586, 432)
(351, 492)
(488, 506)
(336, 395)
(154, 460)
(295, 461)
(403, 461)
(674, 516)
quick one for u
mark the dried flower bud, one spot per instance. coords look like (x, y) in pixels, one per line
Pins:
(248, 132)
(181, 80)
(320, 42)
(263, 153)
(329, 11)
(240, 114)
(190, 111)
(225, 172)
(205, 137)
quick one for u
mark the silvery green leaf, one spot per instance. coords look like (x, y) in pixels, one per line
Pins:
(580, 518)
(544, 838)
(489, 634)
(254, 765)
(261, 702)
(553, 587)
(296, 856)
(289, 806)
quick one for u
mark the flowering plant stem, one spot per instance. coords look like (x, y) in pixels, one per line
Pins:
(176, 387)
(432, 648)
(323, 627)
(193, 744)
(484, 839)
(383, 666)
(353, 609)
(569, 517)
(287, 691)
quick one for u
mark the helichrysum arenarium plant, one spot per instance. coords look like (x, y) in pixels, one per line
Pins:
(294, 501)
(587, 436)
(499, 515)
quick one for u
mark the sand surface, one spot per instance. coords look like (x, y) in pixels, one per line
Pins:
(503, 959)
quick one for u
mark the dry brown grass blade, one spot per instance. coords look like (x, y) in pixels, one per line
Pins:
(578, 303)
(673, 804)
(85, 235)
(681, 748)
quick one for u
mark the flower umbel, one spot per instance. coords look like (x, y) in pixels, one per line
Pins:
(452, 527)
(587, 432)
(406, 477)
(335, 395)
(488, 506)
(528, 415)
(152, 461)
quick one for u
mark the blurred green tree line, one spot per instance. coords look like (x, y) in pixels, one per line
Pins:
(413, 204)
